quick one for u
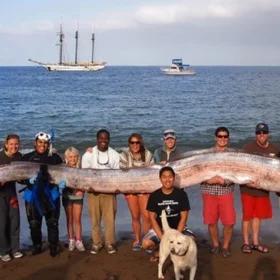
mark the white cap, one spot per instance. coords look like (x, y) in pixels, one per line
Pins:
(43, 136)
(169, 133)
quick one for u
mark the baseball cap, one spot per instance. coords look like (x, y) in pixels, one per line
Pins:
(262, 127)
(169, 133)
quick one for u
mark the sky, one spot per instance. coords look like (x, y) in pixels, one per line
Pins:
(148, 32)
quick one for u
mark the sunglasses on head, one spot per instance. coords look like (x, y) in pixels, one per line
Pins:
(223, 136)
(169, 133)
(134, 142)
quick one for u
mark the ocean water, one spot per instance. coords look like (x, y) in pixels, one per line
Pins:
(141, 99)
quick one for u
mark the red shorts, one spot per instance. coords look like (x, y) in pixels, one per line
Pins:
(218, 206)
(255, 207)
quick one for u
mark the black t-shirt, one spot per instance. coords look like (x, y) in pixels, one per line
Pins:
(9, 188)
(173, 203)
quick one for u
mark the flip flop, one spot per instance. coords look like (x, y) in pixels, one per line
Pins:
(226, 253)
(215, 250)
(260, 248)
(246, 249)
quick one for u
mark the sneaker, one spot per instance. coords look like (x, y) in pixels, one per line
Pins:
(71, 245)
(5, 258)
(136, 247)
(149, 251)
(80, 246)
(17, 255)
(54, 250)
(111, 249)
(95, 249)
(37, 249)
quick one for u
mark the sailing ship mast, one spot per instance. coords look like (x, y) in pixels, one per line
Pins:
(61, 37)
(76, 47)
(92, 49)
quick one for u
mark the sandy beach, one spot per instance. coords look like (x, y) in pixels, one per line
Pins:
(128, 265)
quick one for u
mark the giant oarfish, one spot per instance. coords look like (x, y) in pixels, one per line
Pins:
(193, 169)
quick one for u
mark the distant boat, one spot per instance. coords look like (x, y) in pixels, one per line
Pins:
(72, 66)
(178, 68)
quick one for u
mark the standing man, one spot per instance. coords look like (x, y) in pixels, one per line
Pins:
(218, 201)
(168, 152)
(41, 197)
(102, 206)
(256, 204)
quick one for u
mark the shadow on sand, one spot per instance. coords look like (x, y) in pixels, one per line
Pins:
(265, 269)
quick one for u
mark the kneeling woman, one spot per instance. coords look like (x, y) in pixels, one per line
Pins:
(136, 155)
(73, 204)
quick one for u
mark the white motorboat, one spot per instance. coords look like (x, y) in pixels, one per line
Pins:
(178, 68)
(72, 66)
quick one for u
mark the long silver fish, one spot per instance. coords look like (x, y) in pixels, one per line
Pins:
(194, 168)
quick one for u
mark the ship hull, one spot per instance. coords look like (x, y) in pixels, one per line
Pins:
(63, 67)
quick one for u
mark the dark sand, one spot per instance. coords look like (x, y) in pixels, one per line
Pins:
(128, 265)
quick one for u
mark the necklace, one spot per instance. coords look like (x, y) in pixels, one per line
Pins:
(100, 160)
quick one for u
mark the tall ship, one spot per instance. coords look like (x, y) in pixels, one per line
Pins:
(72, 66)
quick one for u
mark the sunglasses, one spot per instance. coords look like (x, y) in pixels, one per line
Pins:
(134, 142)
(223, 136)
(261, 132)
(169, 133)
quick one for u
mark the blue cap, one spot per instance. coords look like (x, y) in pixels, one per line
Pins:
(262, 127)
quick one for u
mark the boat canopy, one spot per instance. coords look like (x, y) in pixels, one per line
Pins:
(179, 62)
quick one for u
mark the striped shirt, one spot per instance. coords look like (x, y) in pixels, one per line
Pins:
(127, 160)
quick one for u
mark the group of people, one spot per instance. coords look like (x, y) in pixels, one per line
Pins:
(42, 199)
(218, 198)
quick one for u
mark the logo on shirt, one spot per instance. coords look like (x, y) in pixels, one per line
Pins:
(168, 210)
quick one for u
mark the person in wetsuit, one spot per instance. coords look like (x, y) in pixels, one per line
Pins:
(42, 198)
(9, 207)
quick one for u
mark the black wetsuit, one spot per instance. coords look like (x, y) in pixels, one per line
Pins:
(50, 213)
(9, 211)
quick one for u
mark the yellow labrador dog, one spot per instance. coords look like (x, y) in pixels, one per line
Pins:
(181, 248)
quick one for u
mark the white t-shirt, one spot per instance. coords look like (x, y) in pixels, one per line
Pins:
(97, 159)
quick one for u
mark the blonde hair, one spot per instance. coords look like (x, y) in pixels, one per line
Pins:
(76, 152)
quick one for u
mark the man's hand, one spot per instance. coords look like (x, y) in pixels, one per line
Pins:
(32, 180)
(62, 185)
(216, 180)
(253, 184)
